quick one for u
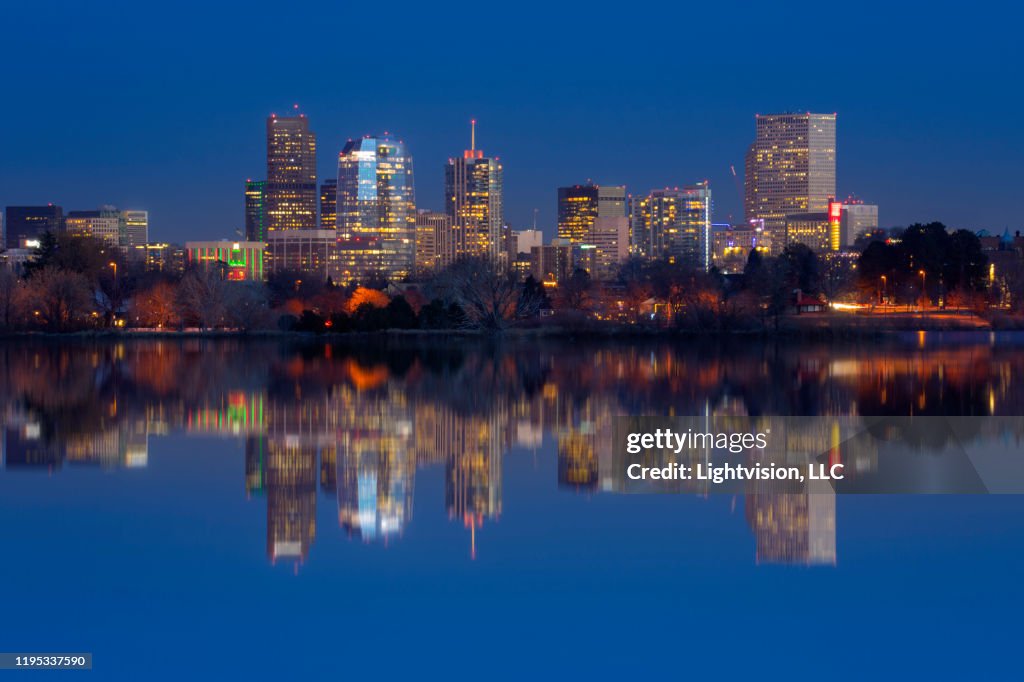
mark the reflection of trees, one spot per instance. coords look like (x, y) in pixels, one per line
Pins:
(88, 386)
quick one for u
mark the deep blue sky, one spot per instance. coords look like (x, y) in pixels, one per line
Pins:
(162, 106)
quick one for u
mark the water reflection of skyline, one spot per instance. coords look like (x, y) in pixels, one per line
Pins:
(353, 425)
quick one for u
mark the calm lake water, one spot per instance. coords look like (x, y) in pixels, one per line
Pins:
(195, 509)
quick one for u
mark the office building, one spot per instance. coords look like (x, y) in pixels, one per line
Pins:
(25, 225)
(328, 204)
(580, 205)
(553, 263)
(256, 210)
(104, 223)
(473, 201)
(376, 209)
(238, 261)
(675, 224)
(134, 228)
(433, 242)
(732, 244)
(790, 168)
(527, 239)
(306, 252)
(858, 219)
(813, 230)
(290, 196)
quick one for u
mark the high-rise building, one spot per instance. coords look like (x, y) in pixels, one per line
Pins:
(376, 209)
(104, 224)
(473, 200)
(433, 241)
(29, 223)
(790, 168)
(580, 205)
(329, 204)
(134, 228)
(858, 219)
(290, 198)
(675, 224)
(256, 210)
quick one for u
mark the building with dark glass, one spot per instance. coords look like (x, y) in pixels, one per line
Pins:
(328, 204)
(29, 223)
(255, 210)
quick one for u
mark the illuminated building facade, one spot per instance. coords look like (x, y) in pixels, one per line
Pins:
(814, 230)
(596, 215)
(580, 205)
(732, 244)
(433, 241)
(29, 223)
(134, 228)
(290, 195)
(159, 257)
(309, 252)
(329, 204)
(256, 210)
(790, 167)
(291, 475)
(240, 261)
(675, 224)
(104, 224)
(473, 201)
(376, 209)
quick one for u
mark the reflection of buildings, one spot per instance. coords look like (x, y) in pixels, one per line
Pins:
(376, 469)
(793, 527)
(291, 498)
(355, 424)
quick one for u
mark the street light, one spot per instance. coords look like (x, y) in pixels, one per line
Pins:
(113, 265)
(882, 296)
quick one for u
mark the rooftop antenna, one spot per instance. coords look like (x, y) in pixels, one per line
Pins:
(472, 135)
(535, 220)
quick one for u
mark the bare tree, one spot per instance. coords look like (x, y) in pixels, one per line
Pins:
(11, 297)
(60, 298)
(486, 294)
(203, 297)
(247, 306)
(156, 306)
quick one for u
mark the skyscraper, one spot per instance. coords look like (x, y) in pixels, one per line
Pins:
(290, 198)
(596, 215)
(579, 206)
(29, 223)
(255, 210)
(376, 209)
(473, 201)
(790, 168)
(329, 204)
(433, 241)
(134, 228)
(675, 224)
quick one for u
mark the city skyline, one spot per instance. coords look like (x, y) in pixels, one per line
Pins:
(905, 144)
